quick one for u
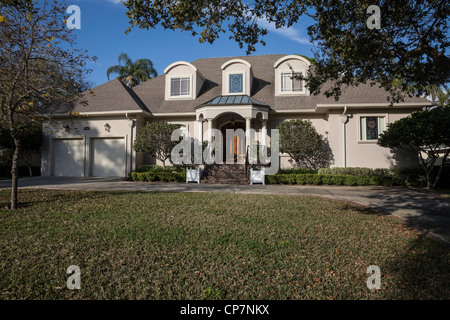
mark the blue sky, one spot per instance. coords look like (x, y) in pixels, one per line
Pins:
(102, 33)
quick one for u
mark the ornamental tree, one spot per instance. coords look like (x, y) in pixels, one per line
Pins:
(426, 134)
(300, 140)
(155, 139)
(39, 67)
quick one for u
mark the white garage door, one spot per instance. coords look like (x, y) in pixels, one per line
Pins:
(108, 157)
(68, 157)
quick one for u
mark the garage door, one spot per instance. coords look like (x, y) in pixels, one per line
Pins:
(68, 155)
(108, 157)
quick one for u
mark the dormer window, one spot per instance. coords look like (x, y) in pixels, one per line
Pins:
(180, 87)
(290, 82)
(288, 70)
(236, 83)
(182, 81)
(237, 77)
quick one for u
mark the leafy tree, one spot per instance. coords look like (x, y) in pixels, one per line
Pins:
(411, 44)
(155, 138)
(423, 132)
(132, 73)
(300, 140)
(39, 67)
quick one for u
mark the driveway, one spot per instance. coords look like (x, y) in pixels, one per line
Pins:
(427, 212)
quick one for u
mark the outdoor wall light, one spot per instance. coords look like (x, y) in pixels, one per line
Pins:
(107, 127)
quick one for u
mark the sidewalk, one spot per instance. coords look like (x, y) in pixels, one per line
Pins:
(428, 212)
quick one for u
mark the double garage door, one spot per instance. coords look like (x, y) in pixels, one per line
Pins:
(107, 157)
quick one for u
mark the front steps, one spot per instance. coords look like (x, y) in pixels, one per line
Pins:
(226, 174)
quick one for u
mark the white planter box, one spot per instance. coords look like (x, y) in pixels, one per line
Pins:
(192, 175)
(257, 176)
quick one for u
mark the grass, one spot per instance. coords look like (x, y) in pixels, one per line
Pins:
(210, 246)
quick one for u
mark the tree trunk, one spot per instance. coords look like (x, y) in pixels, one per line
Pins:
(164, 164)
(428, 168)
(15, 174)
(436, 181)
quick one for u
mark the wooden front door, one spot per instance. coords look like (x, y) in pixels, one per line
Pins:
(237, 145)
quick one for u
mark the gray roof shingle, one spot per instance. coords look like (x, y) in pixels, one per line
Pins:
(110, 96)
(149, 96)
(152, 92)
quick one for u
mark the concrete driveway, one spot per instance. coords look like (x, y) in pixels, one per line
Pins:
(427, 212)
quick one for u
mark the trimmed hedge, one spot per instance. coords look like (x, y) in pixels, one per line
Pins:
(408, 176)
(330, 179)
(155, 168)
(297, 171)
(411, 177)
(158, 176)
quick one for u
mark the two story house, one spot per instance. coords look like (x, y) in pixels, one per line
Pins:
(250, 92)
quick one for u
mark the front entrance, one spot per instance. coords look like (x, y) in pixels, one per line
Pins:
(236, 144)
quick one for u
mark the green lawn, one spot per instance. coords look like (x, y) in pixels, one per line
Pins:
(210, 246)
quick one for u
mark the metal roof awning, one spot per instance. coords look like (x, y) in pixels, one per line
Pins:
(233, 100)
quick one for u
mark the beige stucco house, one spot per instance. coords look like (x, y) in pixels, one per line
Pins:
(255, 92)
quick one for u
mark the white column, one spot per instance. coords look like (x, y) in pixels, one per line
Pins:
(248, 126)
(344, 119)
(210, 126)
(199, 131)
(264, 132)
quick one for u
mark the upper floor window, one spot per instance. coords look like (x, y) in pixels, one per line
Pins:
(236, 83)
(180, 86)
(371, 127)
(290, 82)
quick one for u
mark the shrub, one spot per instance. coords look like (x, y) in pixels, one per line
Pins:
(158, 176)
(155, 168)
(327, 179)
(297, 171)
(355, 171)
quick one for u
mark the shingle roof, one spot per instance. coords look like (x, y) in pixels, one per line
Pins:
(152, 91)
(150, 95)
(110, 96)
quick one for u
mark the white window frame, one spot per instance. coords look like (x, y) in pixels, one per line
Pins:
(180, 97)
(227, 84)
(362, 133)
(188, 94)
(291, 74)
(279, 79)
(243, 81)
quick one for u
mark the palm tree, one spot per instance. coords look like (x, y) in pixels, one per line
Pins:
(441, 97)
(132, 73)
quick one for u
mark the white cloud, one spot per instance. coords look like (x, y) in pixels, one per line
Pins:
(114, 1)
(290, 33)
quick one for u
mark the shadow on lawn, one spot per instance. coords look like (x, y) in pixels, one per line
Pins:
(27, 198)
(360, 208)
(425, 268)
(423, 272)
(425, 212)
